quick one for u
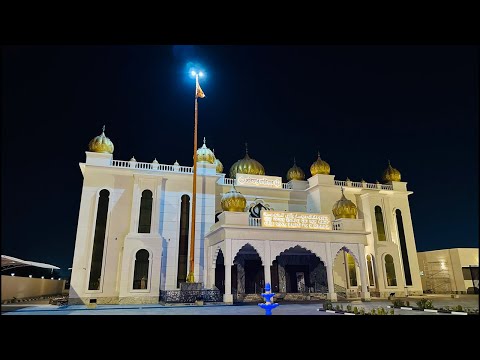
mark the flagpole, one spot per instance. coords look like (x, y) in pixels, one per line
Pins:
(191, 276)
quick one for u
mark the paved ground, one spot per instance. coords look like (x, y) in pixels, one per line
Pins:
(470, 301)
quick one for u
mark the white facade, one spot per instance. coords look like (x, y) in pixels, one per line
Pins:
(126, 180)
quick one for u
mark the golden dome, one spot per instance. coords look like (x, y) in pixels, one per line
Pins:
(233, 201)
(101, 144)
(391, 174)
(247, 165)
(205, 154)
(320, 167)
(218, 164)
(344, 208)
(295, 172)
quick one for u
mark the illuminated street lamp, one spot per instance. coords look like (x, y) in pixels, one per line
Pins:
(198, 94)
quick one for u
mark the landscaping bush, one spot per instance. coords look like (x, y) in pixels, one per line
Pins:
(327, 305)
(349, 308)
(398, 303)
(362, 311)
(372, 312)
(355, 310)
(392, 312)
(425, 304)
(458, 308)
(337, 307)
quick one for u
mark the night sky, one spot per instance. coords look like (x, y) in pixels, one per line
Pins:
(358, 105)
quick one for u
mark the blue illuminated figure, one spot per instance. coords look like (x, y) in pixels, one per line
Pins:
(269, 305)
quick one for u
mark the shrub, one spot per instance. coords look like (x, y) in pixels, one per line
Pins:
(337, 307)
(408, 303)
(398, 303)
(381, 311)
(355, 310)
(349, 308)
(372, 312)
(362, 311)
(458, 308)
(341, 307)
(425, 304)
(392, 312)
(327, 305)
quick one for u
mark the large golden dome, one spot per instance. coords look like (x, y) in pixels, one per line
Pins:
(233, 201)
(205, 154)
(101, 144)
(391, 174)
(320, 167)
(295, 172)
(247, 165)
(344, 208)
(218, 164)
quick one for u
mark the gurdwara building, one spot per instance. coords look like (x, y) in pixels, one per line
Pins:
(309, 238)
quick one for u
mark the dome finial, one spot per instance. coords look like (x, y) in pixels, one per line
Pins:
(318, 152)
(204, 141)
(246, 148)
(389, 163)
(103, 128)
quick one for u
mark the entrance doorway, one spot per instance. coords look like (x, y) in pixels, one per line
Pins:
(247, 272)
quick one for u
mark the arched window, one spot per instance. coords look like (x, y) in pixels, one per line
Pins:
(183, 241)
(99, 241)
(352, 271)
(370, 271)
(390, 270)
(380, 225)
(145, 219)
(403, 248)
(140, 275)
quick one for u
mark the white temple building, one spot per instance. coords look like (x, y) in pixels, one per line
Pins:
(311, 239)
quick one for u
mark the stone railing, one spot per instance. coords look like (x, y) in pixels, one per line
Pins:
(152, 167)
(363, 184)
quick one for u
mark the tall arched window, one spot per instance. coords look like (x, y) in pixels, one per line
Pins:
(140, 275)
(370, 270)
(352, 271)
(403, 248)
(390, 270)
(183, 241)
(380, 225)
(145, 219)
(99, 241)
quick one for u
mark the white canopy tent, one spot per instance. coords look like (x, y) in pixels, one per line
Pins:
(9, 262)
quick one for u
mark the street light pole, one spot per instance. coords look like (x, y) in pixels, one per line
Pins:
(191, 276)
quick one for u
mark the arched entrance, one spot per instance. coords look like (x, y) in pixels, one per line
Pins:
(298, 270)
(346, 274)
(247, 272)
(220, 272)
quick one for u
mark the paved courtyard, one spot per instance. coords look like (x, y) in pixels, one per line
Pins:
(470, 301)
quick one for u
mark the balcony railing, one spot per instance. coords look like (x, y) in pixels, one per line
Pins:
(228, 181)
(152, 167)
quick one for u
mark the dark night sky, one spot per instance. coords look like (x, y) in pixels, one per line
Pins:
(357, 105)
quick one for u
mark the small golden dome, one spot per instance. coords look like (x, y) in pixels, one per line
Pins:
(295, 172)
(101, 144)
(247, 165)
(391, 174)
(205, 154)
(155, 161)
(233, 201)
(320, 167)
(344, 208)
(218, 164)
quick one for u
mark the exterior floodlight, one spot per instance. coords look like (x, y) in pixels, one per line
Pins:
(193, 73)
(200, 74)
(13, 274)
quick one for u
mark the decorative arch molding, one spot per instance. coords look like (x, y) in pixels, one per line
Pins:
(216, 250)
(352, 249)
(317, 249)
(258, 245)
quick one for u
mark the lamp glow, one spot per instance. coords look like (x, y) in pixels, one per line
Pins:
(200, 74)
(193, 73)
(13, 274)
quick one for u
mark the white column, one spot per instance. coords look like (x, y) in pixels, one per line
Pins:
(135, 207)
(228, 297)
(267, 263)
(365, 295)
(332, 295)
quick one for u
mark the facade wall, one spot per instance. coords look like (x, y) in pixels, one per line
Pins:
(25, 287)
(122, 239)
(442, 269)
